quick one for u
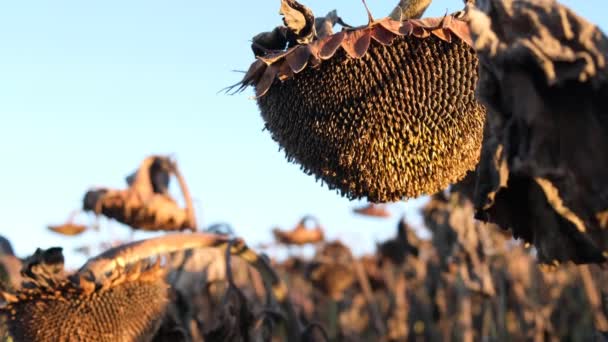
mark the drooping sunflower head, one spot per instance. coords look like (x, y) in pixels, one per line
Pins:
(385, 111)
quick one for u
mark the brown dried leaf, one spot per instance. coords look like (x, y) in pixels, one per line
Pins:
(267, 42)
(300, 21)
(298, 58)
(544, 78)
(329, 46)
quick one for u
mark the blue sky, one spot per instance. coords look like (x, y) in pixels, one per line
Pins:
(88, 89)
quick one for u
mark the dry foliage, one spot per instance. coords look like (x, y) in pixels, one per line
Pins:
(470, 282)
(544, 80)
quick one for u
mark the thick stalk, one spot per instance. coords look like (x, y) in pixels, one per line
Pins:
(409, 9)
(369, 297)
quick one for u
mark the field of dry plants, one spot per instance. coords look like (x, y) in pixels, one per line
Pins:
(477, 110)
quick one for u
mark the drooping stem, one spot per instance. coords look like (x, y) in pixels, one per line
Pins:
(187, 198)
(135, 251)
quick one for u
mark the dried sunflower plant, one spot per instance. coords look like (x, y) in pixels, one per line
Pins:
(403, 107)
(488, 100)
(385, 111)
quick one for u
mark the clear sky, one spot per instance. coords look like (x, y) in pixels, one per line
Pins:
(89, 88)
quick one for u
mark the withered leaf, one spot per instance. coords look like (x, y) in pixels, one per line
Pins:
(265, 42)
(300, 21)
(542, 76)
(234, 319)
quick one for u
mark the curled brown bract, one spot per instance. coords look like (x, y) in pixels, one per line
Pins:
(355, 42)
(102, 266)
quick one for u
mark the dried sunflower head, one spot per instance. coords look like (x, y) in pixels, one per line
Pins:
(386, 111)
(129, 306)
